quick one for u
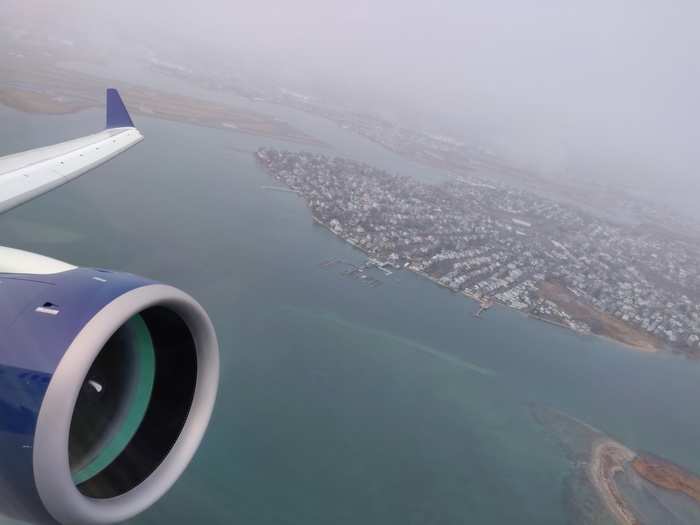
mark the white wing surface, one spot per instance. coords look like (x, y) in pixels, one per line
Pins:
(26, 175)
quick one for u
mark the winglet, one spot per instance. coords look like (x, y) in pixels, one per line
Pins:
(117, 115)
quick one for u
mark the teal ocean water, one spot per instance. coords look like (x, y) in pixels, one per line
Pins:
(340, 403)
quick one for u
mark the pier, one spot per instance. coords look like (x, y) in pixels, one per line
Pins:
(279, 188)
(484, 304)
(382, 266)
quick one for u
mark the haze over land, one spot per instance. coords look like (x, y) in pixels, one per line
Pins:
(598, 91)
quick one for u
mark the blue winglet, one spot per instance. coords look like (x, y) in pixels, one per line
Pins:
(117, 115)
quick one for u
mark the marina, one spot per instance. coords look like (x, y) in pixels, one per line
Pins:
(354, 271)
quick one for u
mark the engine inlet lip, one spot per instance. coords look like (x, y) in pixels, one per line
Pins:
(52, 473)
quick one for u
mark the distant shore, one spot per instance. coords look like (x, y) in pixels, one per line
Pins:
(48, 89)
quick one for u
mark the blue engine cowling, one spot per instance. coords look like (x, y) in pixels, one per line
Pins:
(107, 384)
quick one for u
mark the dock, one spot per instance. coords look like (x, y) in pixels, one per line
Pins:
(279, 188)
(353, 271)
(381, 266)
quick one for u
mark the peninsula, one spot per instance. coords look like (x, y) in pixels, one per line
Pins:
(611, 481)
(491, 241)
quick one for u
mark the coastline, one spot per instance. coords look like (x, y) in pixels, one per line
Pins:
(608, 458)
(625, 344)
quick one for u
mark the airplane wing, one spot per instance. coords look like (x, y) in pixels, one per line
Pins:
(27, 175)
(107, 379)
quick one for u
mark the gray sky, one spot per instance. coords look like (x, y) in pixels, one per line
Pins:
(575, 88)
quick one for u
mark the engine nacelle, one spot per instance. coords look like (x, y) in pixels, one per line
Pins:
(107, 384)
